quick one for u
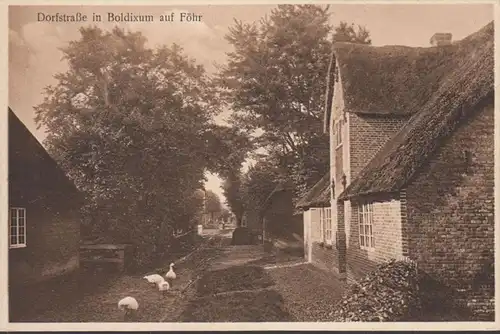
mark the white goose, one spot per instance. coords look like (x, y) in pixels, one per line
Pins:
(129, 305)
(154, 279)
(171, 276)
(163, 287)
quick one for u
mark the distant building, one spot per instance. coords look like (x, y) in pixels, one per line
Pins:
(278, 214)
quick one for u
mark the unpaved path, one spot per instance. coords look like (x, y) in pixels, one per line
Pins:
(98, 303)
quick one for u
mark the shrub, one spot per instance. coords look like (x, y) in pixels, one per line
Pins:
(397, 291)
(389, 293)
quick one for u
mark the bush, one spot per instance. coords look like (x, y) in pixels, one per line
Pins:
(397, 291)
(389, 293)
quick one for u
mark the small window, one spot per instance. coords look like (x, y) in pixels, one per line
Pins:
(339, 125)
(366, 239)
(17, 228)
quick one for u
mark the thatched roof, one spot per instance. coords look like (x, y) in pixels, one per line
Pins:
(456, 94)
(318, 195)
(396, 80)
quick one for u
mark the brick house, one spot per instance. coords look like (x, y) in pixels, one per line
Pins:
(44, 228)
(411, 168)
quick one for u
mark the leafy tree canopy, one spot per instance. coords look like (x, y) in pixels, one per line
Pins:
(133, 127)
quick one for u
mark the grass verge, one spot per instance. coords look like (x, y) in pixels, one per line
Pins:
(233, 279)
(257, 306)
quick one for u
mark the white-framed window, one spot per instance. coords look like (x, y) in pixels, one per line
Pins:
(17, 228)
(339, 125)
(365, 214)
(326, 225)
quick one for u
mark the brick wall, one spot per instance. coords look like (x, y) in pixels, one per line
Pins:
(451, 206)
(387, 231)
(367, 135)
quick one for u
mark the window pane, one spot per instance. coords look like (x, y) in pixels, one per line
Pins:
(21, 221)
(373, 241)
(362, 240)
(370, 230)
(13, 213)
(21, 239)
(13, 222)
(21, 213)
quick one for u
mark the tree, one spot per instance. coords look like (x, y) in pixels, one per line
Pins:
(213, 204)
(275, 82)
(225, 215)
(129, 125)
(227, 149)
(345, 32)
(257, 184)
(232, 191)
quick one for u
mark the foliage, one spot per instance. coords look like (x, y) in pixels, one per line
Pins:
(225, 214)
(232, 191)
(275, 83)
(389, 293)
(132, 126)
(258, 183)
(213, 203)
(345, 32)
(397, 291)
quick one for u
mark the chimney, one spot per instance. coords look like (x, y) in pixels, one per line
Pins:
(440, 39)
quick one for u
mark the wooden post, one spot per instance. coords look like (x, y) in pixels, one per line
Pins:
(121, 256)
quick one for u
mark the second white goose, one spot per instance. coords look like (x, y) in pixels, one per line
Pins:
(171, 276)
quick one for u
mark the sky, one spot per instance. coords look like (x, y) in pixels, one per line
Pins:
(34, 55)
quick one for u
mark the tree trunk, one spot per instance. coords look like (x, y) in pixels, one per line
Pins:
(239, 219)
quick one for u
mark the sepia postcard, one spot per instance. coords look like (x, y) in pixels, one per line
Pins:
(262, 165)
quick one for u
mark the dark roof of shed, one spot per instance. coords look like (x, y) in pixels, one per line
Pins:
(318, 195)
(456, 94)
(33, 173)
